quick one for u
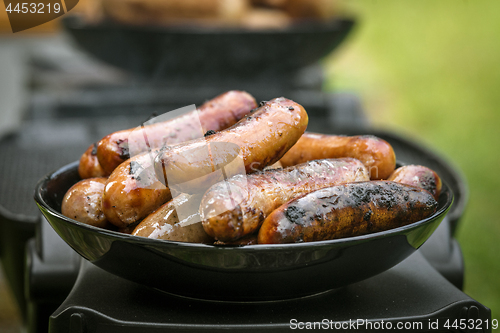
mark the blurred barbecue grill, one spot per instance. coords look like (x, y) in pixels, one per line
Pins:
(75, 100)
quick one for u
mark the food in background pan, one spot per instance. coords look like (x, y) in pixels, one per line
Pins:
(165, 12)
(244, 13)
(300, 8)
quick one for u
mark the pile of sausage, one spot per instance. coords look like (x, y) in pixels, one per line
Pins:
(247, 174)
(250, 14)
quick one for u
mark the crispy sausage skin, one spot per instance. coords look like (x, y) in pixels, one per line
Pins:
(216, 114)
(345, 211)
(258, 140)
(83, 202)
(376, 154)
(164, 223)
(133, 191)
(237, 207)
(89, 166)
(420, 176)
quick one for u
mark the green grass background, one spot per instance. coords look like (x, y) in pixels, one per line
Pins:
(431, 69)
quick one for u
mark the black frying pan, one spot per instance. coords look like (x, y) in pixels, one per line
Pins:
(255, 272)
(195, 52)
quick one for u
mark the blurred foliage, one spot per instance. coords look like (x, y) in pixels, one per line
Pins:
(431, 70)
(10, 321)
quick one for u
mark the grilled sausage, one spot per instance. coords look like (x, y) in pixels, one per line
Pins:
(258, 140)
(317, 9)
(82, 202)
(420, 176)
(238, 206)
(89, 166)
(376, 154)
(216, 114)
(345, 211)
(164, 223)
(167, 12)
(133, 191)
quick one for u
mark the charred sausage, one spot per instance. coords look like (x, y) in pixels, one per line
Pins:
(89, 166)
(216, 114)
(420, 176)
(238, 206)
(258, 140)
(164, 223)
(345, 211)
(83, 202)
(133, 191)
(376, 154)
(177, 12)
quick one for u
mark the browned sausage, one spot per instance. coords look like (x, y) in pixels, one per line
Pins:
(317, 9)
(177, 12)
(258, 140)
(133, 191)
(216, 114)
(165, 223)
(82, 202)
(89, 166)
(238, 206)
(376, 154)
(420, 176)
(345, 211)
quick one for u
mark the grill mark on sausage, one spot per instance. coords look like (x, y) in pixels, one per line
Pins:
(381, 205)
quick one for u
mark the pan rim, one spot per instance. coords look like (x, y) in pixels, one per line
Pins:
(75, 22)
